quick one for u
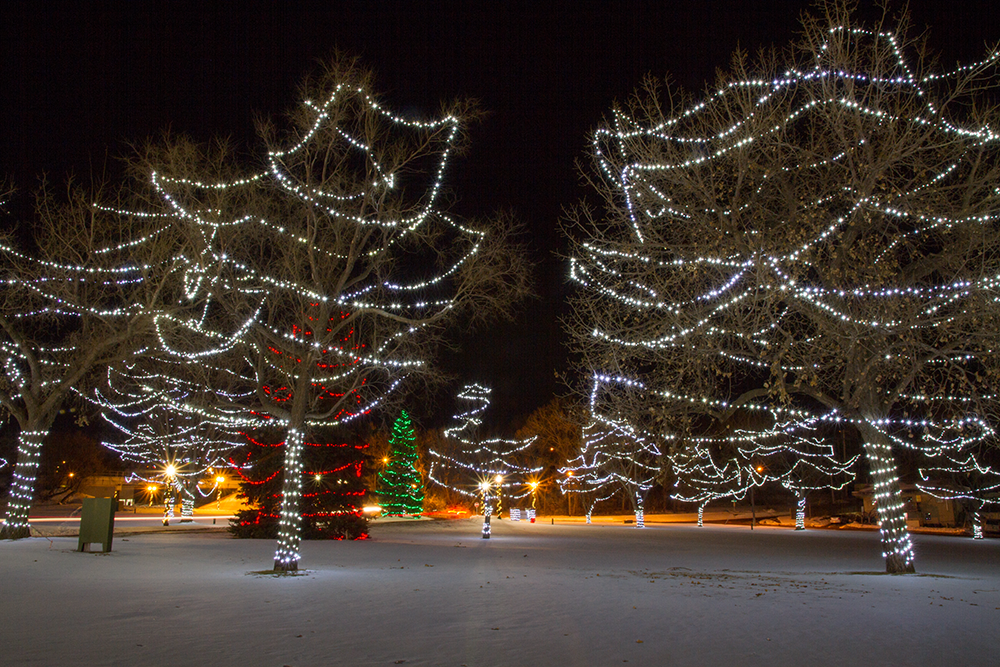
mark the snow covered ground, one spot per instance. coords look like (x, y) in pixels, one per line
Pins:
(435, 593)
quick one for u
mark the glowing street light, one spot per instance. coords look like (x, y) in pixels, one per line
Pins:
(218, 492)
(534, 488)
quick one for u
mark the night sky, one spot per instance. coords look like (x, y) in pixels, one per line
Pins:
(82, 80)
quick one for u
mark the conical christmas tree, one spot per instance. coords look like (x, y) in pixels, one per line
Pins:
(400, 488)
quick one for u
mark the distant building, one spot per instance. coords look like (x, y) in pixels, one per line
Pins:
(922, 509)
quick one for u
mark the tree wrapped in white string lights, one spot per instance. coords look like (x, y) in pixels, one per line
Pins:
(803, 469)
(614, 457)
(703, 477)
(334, 268)
(482, 466)
(963, 477)
(818, 234)
(158, 408)
(73, 298)
(786, 453)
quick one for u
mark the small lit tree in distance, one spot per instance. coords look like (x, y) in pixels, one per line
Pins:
(400, 488)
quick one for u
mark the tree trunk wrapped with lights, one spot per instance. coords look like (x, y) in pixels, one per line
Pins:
(331, 480)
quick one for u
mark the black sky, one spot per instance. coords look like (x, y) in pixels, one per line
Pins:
(78, 81)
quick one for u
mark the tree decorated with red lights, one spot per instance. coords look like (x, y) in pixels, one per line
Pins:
(332, 483)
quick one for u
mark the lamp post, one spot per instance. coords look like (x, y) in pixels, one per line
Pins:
(534, 488)
(218, 492)
(753, 507)
(569, 496)
(499, 481)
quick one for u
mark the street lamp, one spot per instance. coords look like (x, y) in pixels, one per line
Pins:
(569, 496)
(499, 480)
(753, 507)
(218, 492)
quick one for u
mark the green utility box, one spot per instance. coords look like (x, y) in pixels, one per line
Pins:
(97, 524)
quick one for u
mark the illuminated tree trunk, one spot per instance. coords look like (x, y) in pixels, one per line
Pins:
(186, 488)
(897, 548)
(168, 504)
(286, 558)
(487, 511)
(29, 449)
(701, 515)
(977, 520)
(800, 511)
(640, 512)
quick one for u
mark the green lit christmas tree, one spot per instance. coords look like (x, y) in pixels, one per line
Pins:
(400, 488)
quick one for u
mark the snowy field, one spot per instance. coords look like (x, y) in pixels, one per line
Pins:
(435, 593)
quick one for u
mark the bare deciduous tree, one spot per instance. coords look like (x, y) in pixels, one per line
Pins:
(72, 301)
(333, 268)
(816, 238)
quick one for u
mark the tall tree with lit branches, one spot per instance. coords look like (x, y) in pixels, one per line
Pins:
(333, 267)
(818, 233)
(963, 477)
(481, 465)
(615, 456)
(73, 298)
